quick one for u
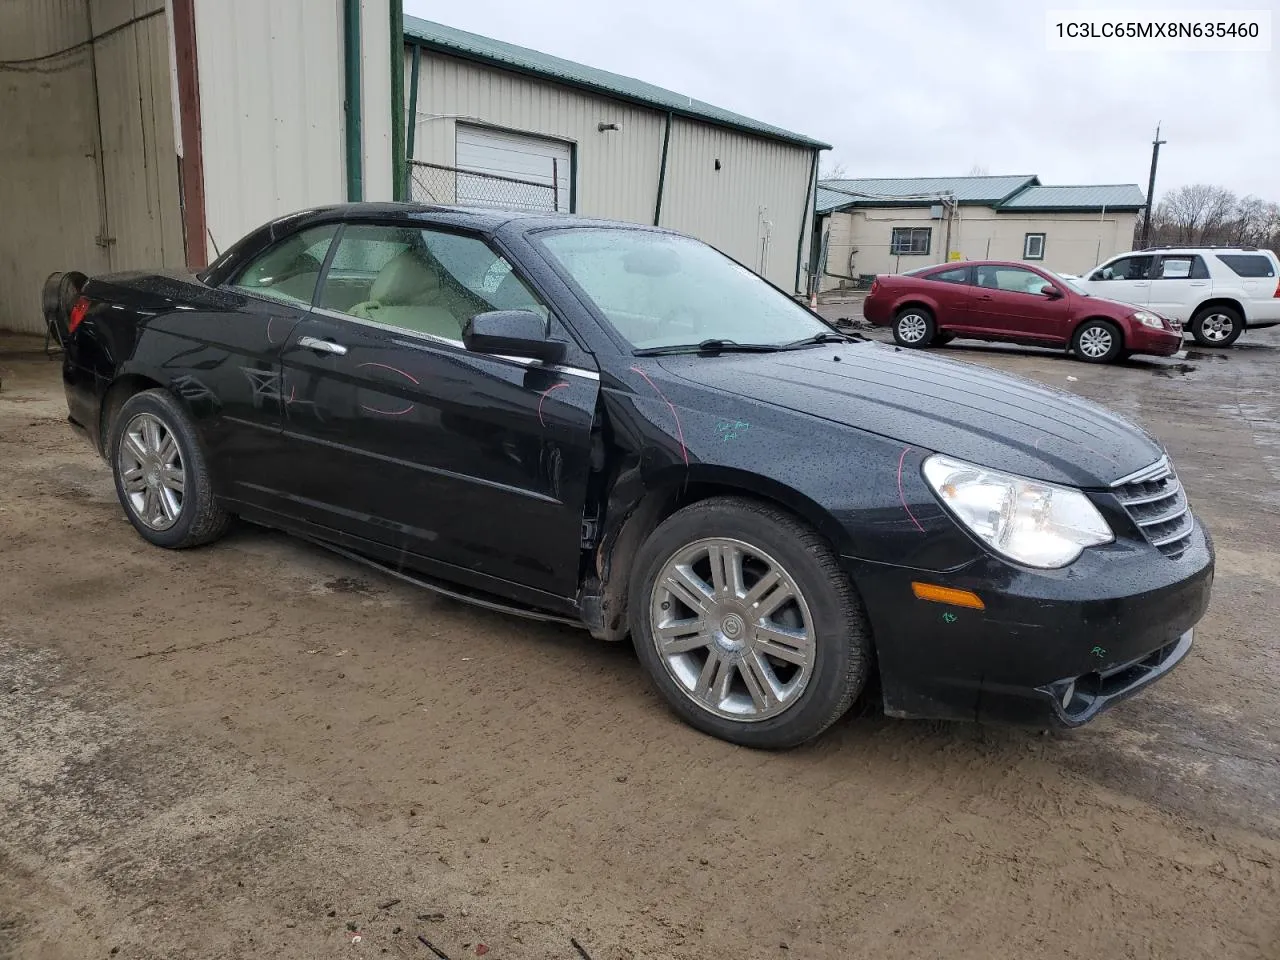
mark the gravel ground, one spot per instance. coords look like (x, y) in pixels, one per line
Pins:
(257, 749)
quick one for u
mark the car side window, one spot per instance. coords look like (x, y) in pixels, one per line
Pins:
(288, 270)
(1011, 279)
(1126, 268)
(1174, 268)
(955, 275)
(428, 281)
(1249, 265)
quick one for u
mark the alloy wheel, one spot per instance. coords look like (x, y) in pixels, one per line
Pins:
(732, 629)
(1096, 342)
(912, 327)
(151, 471)
(1217, 327)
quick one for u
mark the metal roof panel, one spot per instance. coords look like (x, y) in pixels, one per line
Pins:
(1113, 196)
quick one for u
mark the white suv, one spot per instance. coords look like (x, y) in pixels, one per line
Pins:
(1214, 291)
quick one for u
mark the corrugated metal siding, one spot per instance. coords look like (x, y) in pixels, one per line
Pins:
(35, 28)
(616, 170)
(48, 173)
(140, 162)
(271, 93)
(375, 41)
(50, 184)
(110, 14)
(503, 55)
(759, 181)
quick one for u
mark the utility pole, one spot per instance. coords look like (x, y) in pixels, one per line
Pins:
(1151, 189)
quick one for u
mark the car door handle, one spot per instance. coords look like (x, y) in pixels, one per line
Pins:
(986, 296)
(322, 346)
(1199, 283)
(1142, 283)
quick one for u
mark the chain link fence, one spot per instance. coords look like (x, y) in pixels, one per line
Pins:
(434, 183)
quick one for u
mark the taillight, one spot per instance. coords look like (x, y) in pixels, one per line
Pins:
(77, 314)
(1277, 293)
(875, 282)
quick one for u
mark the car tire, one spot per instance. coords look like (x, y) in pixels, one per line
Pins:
(1097, 341)
(1217, 326)
(942, 339)
(708, 664)
(162, 477)
(914, 327)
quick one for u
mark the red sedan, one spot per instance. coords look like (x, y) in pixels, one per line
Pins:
(1015, 302)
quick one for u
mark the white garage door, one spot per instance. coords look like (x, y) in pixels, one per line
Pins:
(538, 162)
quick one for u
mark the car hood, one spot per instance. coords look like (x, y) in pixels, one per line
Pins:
(1118, 307)
(946, 406)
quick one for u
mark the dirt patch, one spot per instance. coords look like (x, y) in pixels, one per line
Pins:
(254, 749)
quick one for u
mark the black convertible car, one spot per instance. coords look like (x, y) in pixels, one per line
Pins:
(618, 427)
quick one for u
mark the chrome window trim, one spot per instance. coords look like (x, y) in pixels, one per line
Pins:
(434, 340)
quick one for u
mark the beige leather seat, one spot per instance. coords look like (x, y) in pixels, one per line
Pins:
(410, 293)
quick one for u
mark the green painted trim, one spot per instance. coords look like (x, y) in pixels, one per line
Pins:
(351, 55)
(573, 178)
(810, 192)
(411, 135)
(1098, 208)
(399, 165)
(662, 173)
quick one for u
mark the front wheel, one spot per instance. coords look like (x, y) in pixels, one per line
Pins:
(914, 327)
(747, 625)
(161, 476)
(1097, 341)
(1217, 326)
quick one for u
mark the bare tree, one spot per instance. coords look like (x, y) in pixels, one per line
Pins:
(834, 171)
(1192, 213)
(1254, 222)
(1204, 215)
(979, 170)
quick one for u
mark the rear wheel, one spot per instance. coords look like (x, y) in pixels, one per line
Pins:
(914, 327)
(747, 625)
(1217, 326)
(161, 476)
(1098, 341)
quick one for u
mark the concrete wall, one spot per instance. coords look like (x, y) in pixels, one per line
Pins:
(271, 108)
(616, 171)
(88, 172)
(1074, 242)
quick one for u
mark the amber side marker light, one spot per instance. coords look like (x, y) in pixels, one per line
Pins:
(957, 598)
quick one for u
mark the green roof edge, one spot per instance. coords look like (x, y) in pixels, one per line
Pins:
(414, 36)
(1118, 207)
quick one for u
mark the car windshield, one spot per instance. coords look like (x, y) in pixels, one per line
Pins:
(1068, 282)
(662, 290)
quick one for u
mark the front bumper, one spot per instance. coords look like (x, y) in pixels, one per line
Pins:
(1161, 343)
(1111, 623)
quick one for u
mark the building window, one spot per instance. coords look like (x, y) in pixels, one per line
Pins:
(1033, 247)
(911, 241)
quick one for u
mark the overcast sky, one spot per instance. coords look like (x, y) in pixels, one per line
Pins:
(930, 87)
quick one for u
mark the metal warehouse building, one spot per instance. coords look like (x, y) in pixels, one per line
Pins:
(143, 133)
(616, 147)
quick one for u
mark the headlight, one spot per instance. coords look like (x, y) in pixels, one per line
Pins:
(1034, 523)
(1148, 319)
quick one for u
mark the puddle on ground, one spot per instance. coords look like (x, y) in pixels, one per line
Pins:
(1173, 369)
(1202, 355)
